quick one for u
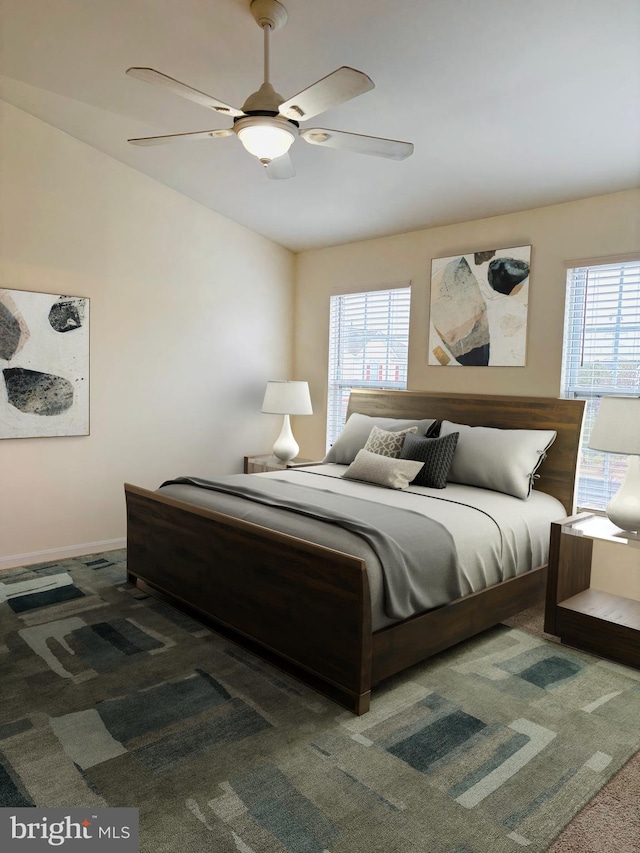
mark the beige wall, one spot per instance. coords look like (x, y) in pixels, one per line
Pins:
(596, 227)
(190, 315)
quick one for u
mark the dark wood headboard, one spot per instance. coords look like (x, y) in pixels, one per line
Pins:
(557, 472)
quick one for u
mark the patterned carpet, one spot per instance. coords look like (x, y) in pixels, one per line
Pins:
(111, 698)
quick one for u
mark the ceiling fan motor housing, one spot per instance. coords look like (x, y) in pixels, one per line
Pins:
(265, 100)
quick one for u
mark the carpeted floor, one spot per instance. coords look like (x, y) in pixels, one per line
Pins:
(110, 698)
(610, 822)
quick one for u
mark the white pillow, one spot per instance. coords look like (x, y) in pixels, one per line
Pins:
(358, 428)
(382, 470)
(504, 460)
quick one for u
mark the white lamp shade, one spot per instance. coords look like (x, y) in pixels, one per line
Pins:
(617, 426)
(287, 397)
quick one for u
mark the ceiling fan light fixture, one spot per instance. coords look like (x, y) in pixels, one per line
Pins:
(265, 137)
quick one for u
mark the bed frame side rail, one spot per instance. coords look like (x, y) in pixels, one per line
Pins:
(400, 646)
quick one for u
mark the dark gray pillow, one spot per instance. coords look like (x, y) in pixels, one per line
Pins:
(437, 455)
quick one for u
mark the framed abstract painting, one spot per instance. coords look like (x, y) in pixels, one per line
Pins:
(479, 304)
(44, 359)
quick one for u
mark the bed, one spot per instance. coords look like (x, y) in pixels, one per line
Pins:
(311, 604)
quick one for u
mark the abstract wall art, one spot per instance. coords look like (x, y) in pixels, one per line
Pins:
(479, 305)
(44, 359)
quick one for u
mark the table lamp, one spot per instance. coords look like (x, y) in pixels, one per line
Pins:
(286, 397)
(617, 430)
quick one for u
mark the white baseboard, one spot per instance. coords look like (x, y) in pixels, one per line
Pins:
(56, 554)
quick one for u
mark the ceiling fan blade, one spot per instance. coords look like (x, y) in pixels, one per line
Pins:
(181, 137)
(149, 75)
(280, 168)
(336, 88)
(375, 145)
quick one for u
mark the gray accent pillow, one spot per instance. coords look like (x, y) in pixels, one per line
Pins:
(358, 428)
(382, 470)
(504, 460)
(437, 455)
(387, 443)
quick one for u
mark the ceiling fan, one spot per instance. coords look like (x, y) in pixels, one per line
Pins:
(267, 125)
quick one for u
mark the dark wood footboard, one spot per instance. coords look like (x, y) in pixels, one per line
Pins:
(301, 606)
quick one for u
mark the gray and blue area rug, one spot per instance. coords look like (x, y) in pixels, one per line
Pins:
(111, 698)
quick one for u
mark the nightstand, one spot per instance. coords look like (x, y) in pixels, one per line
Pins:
(599, 619)
(259, 464)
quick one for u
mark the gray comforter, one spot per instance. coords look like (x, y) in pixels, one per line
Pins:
(399, 537)
(493, 536)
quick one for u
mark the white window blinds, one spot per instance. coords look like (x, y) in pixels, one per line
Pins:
(368, 347)
(601, 356)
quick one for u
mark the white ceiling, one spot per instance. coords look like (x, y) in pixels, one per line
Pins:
(511, 104)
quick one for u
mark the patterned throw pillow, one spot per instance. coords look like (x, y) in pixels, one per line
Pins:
(437, 455)
(386, 443)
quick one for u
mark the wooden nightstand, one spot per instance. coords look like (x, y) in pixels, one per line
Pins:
(267, 462)
(595, 620)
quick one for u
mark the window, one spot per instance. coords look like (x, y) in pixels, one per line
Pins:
(601, 356)
(368, 347)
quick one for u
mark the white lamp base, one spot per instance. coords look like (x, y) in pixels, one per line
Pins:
(286, 447)
(624, 508)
